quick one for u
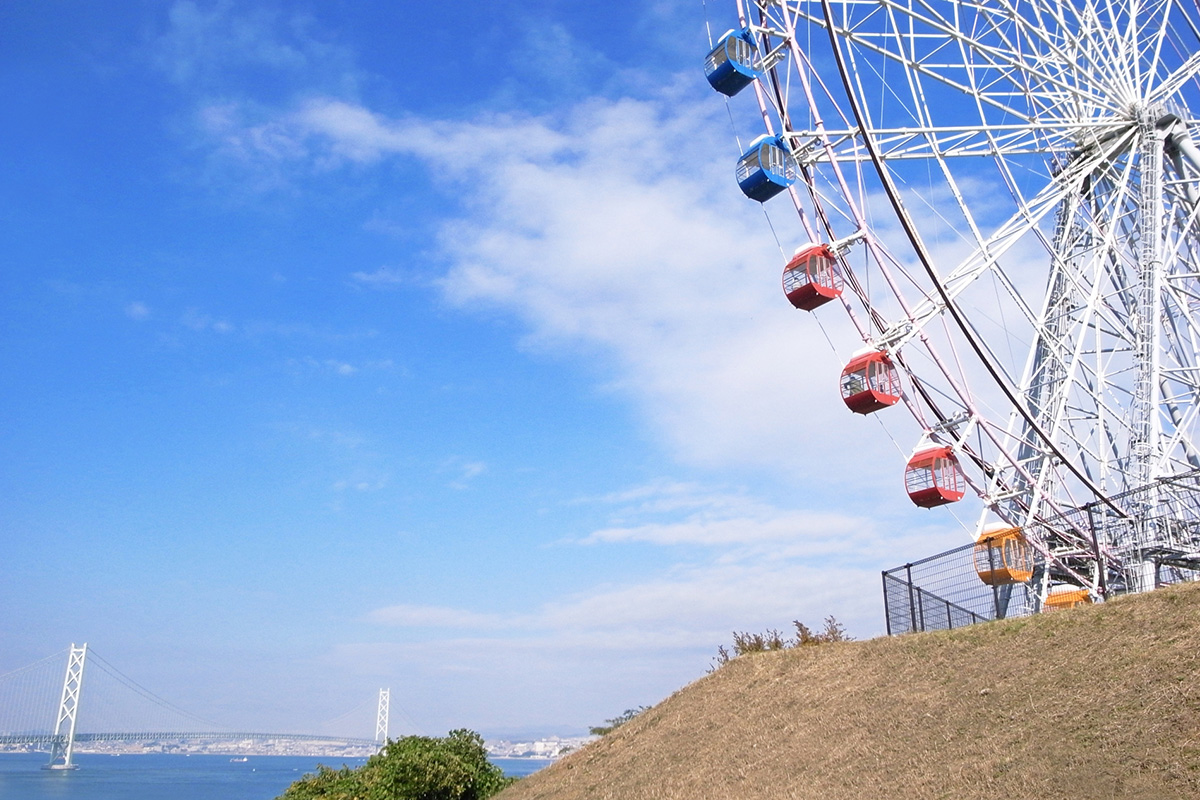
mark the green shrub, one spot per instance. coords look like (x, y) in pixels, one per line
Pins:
(412, 768)
(745, 642)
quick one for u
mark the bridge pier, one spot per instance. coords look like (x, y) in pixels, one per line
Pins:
(68, 709)
(381, 718)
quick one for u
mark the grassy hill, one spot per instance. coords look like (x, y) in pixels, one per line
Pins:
(1098, 702)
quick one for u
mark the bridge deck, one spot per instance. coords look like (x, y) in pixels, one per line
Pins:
(175, 736)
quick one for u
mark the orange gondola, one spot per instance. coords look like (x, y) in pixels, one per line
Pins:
(933, 477)
(1003, 555)
(870, 382)
(1066, 596)
(811, 279)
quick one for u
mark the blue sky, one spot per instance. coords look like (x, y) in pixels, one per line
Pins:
(429, 346)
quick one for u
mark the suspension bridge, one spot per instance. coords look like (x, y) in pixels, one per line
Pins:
(40, 710)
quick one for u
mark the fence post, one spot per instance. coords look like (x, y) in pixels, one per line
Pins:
(912, 607)
(992, 575)
(887, 613)
(949, 617)
(1101, 567)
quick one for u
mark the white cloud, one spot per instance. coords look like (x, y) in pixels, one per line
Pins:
(464, 471)
(137, 310)
(689, 605)
(209, 45)
(585, 658)
(611, 229)
(615, 231)
(431, 616)
(361, 484)
(198, 321)
(731, 531)
(761, 563)
(473, 469)
(384, 277)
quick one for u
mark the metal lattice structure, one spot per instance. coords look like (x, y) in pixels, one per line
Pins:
(68, 711)
(1011, 192)
(381, 716)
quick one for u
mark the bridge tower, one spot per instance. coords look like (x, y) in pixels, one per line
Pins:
(68, 709)
(381, 718)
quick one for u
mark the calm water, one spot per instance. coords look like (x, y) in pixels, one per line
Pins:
(172, 777)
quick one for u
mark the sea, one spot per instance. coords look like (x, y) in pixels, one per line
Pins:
(160, 776)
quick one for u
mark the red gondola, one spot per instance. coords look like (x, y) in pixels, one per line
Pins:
(870, 382)
(811, 278)
(933, 477)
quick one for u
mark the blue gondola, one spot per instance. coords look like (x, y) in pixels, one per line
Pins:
(766, 169)
(730, 66)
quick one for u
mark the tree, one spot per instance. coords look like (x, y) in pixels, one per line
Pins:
(454, 767)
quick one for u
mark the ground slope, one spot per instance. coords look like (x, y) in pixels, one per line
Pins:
(1098, 702)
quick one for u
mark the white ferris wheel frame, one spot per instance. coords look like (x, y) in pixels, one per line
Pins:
(1079, 112)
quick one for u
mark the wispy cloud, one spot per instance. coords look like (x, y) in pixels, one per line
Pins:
(212, 45)
(614, 228)
(137, 310)
(760, 563)
(587, 656)
(464, 471)
(198, 321)
(333, 366)
(433, 616)
(384, 277)
(703, 601)
(737, 530)
(362, 484)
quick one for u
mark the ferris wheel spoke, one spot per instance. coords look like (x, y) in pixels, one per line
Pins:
(1083, 44)
(915, 143)
(993, 65)
(986, 255)
(1050, 51)
(1176, 80)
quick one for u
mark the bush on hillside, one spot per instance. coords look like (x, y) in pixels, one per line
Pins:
(616, 722)
(833, 631)
(454, 767)
(745, 642)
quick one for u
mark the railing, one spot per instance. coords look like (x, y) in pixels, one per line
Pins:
(944, 591)
(1160, 525)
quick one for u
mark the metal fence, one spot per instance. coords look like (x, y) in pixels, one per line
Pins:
(944, 591)
(1108, 540)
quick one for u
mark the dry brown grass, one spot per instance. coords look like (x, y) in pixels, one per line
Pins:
(1099, 702)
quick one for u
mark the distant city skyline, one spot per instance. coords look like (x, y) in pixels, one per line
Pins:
(427, 346)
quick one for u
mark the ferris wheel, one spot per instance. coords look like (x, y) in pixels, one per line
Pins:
(1004, 196)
